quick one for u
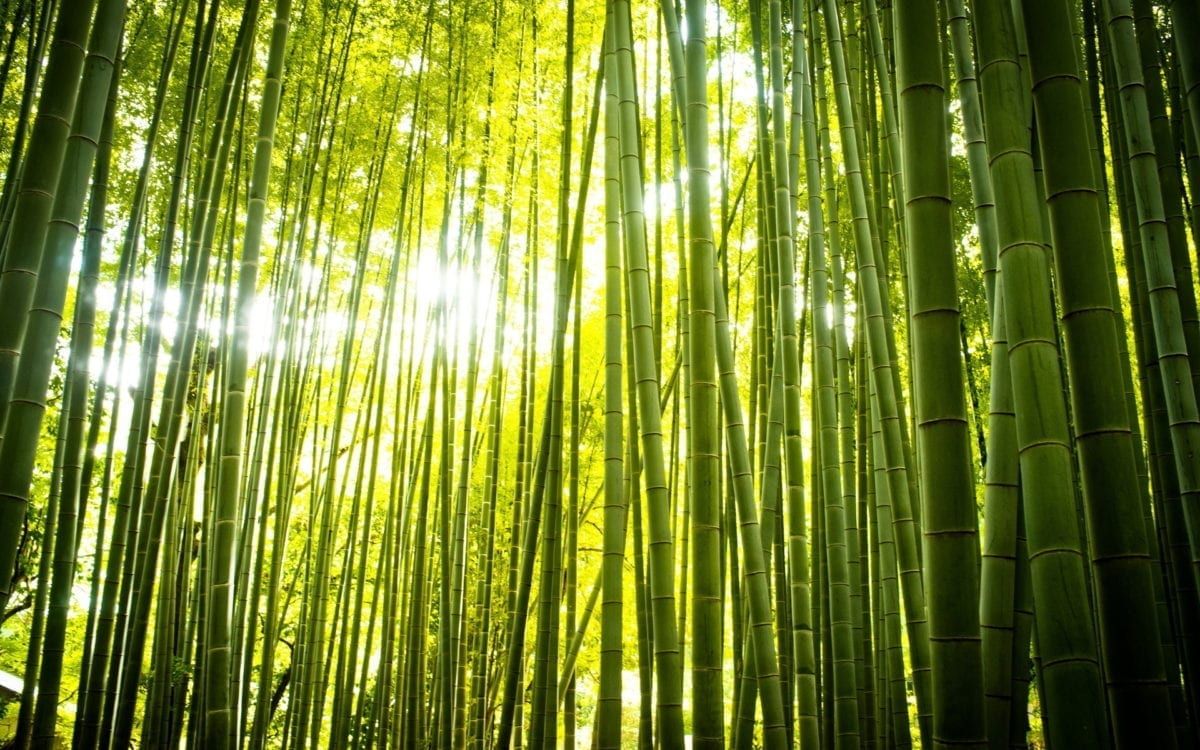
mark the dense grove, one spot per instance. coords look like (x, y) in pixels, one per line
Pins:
(691, 373)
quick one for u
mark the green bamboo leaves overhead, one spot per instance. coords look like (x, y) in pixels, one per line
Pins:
(427, 401)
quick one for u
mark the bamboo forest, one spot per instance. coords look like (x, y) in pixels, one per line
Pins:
(478, 374)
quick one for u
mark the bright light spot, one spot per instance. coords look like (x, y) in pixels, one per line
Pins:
(262, 325)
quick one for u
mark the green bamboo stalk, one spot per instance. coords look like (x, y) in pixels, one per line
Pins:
(75, 400)
(1185, 28)
(1166, 297)
(33, 201)
(806, 678)
(41, 595)
(24, 246)
(1166, 144)
(1120, 558)
(216, 690)
(982, 193)
(668, 660)
(608, 703)
(704, 443)
(898, 725)
(882, 373)
(1074, 704)
(943, 436)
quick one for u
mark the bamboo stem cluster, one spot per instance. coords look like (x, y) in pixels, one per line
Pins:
(359, 420)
